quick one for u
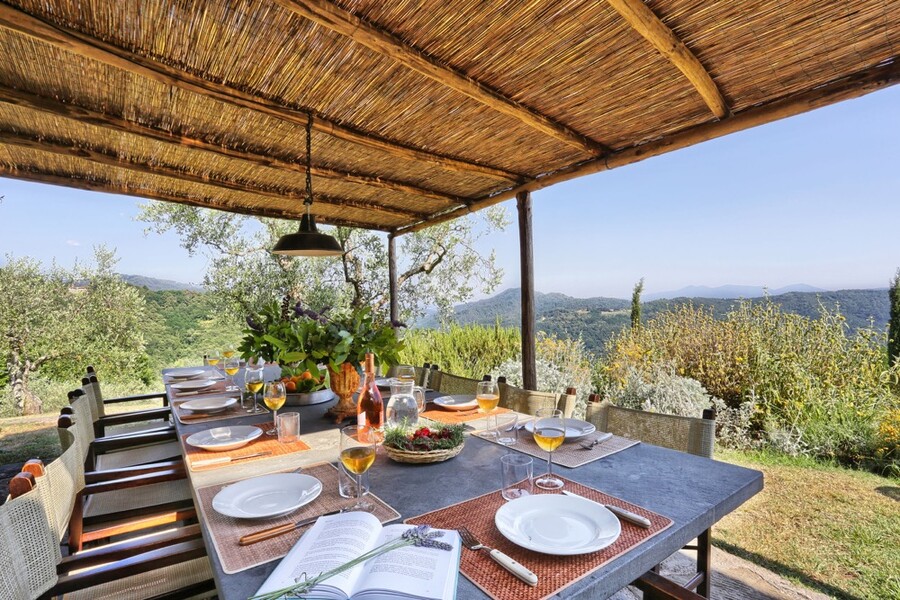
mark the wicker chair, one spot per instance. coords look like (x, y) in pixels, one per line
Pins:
(124, 422)
(529, 401)
(447, 383)
(685, 434)
(166, 563)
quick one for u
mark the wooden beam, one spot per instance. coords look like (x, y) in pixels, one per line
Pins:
(92, 48)
(885, 74)
(645, 22)
(110, 187)
(392, 278)
(114, 123)
(526, 264)
(383, 42)
(67, 148)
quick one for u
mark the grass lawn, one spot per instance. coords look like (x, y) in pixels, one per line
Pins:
(827, 527)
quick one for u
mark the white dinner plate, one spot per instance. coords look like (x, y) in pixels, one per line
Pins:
(199, 384)
(219, 439)
(266, 496)
(185, 373)
(383, 383)
(575, 428)
(458, 402)
(557, 524)
(210, 404)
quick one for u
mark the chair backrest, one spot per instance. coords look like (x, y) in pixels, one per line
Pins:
(686, 434)
(529, 401)
(91, 387)
(454, 384)
(65, 479)
(84, 424)
(422, 374)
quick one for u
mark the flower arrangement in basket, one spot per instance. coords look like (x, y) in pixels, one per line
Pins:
(424, 445)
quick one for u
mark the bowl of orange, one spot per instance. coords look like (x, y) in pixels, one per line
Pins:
(304, 389)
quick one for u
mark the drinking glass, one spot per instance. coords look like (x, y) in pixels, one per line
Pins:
(253, 382)
(549, 433)
(274, 397)
(516, 476)
(232, 365)
(229, 351)
(488, 396)
(405, 373)
(357, 455)
(213, 358)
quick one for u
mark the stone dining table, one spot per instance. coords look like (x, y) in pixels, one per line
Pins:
(694, 492)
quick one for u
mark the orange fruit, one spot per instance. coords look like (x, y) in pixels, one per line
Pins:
(306, 375)
(290, 386)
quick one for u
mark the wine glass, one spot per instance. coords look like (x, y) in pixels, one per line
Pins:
(274, 397)
(549, 433)
(229, 351)
(487, 395)
(253, 382)
(232, 365)
(405, 373)
(357, 455)
(213, 358)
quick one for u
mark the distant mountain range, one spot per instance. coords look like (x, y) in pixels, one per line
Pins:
(596, 319)
(158, 285)
(731, 291)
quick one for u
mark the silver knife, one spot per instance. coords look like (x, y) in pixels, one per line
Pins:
(626, 515)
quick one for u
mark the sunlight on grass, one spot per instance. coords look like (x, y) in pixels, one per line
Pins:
(828, 527)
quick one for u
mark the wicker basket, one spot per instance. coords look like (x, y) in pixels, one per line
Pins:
(414, 457)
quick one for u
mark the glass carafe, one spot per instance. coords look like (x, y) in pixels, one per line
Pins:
(402, 409)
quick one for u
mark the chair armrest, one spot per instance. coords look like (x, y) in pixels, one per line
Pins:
(106, 444)
(135, 416)
(124, 472)
(120, 550)
(135, 398)
(134, 481)
(657, 587)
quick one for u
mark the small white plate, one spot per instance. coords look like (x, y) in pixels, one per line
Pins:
(266, 496)
(557, 524)
(200, 384)
(458, 402)
(575, 428)
(383, 383)
(209, 404)
(185, 373)
(220, 439)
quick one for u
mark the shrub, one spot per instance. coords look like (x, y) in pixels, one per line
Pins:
(469, 351)
(661, 390)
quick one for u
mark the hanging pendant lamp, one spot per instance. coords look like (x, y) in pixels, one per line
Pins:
(308, 241)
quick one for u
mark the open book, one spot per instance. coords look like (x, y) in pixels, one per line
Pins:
(408, 572)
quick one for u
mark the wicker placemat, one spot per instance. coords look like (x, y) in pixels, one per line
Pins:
(554, 572)
(570, 454)
(264, 443)
(187, 417)
(452, 417)
(226, 531)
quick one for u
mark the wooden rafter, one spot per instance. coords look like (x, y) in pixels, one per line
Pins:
(111, 187)
(119, 124)
(644, 21)
(66, 148)
(853, 86)
(84, 45)
(363, 32)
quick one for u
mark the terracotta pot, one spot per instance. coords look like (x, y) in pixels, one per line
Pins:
(344, 383)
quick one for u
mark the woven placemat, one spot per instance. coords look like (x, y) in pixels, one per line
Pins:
(554, 572)
(452, 417)
(570, 454)
(226, 531)
(187, 417)
(264, 443)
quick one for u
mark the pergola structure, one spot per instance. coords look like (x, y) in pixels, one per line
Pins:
(422, 111)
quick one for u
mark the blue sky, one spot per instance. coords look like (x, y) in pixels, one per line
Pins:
(812, 199)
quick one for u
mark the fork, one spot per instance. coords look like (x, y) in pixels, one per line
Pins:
(471, 542)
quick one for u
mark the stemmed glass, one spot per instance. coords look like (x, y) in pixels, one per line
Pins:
(487, 395)
(213, 358)
(357, 455)
(253, 381)
(549, 433)
(232, 365)
(405, 373)
(274, 397)
(229, 351)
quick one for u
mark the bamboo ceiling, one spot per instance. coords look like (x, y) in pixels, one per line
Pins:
(422, 111)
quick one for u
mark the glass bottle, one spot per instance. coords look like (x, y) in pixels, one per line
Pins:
(370, 407)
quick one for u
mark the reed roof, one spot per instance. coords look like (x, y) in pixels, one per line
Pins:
(422, 111)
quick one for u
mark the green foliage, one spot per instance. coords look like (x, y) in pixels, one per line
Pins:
(470, 351)
(817, 389)
(636, 304)
(894, 326)
(424, 439)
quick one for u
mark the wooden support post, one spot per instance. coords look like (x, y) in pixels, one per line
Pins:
(526, 260)
(392, 277)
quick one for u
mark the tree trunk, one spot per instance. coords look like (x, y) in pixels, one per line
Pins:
(26, 401)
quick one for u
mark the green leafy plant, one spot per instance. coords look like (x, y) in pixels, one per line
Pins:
(425, 439)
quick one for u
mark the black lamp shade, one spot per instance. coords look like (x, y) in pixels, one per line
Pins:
(307, 241)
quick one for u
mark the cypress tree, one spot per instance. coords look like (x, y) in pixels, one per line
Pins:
(636, 304)
(894, 326)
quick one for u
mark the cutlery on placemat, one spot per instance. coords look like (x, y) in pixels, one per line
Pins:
(226, 459)
(623, 514)
(599, 440)
(471, 542)
(265, 534)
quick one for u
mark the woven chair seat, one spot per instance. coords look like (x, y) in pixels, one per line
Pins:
(138, 456)
(146, 585)
(140, 497)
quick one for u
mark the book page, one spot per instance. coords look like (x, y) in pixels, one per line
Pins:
(331, 542)
(411, 572)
